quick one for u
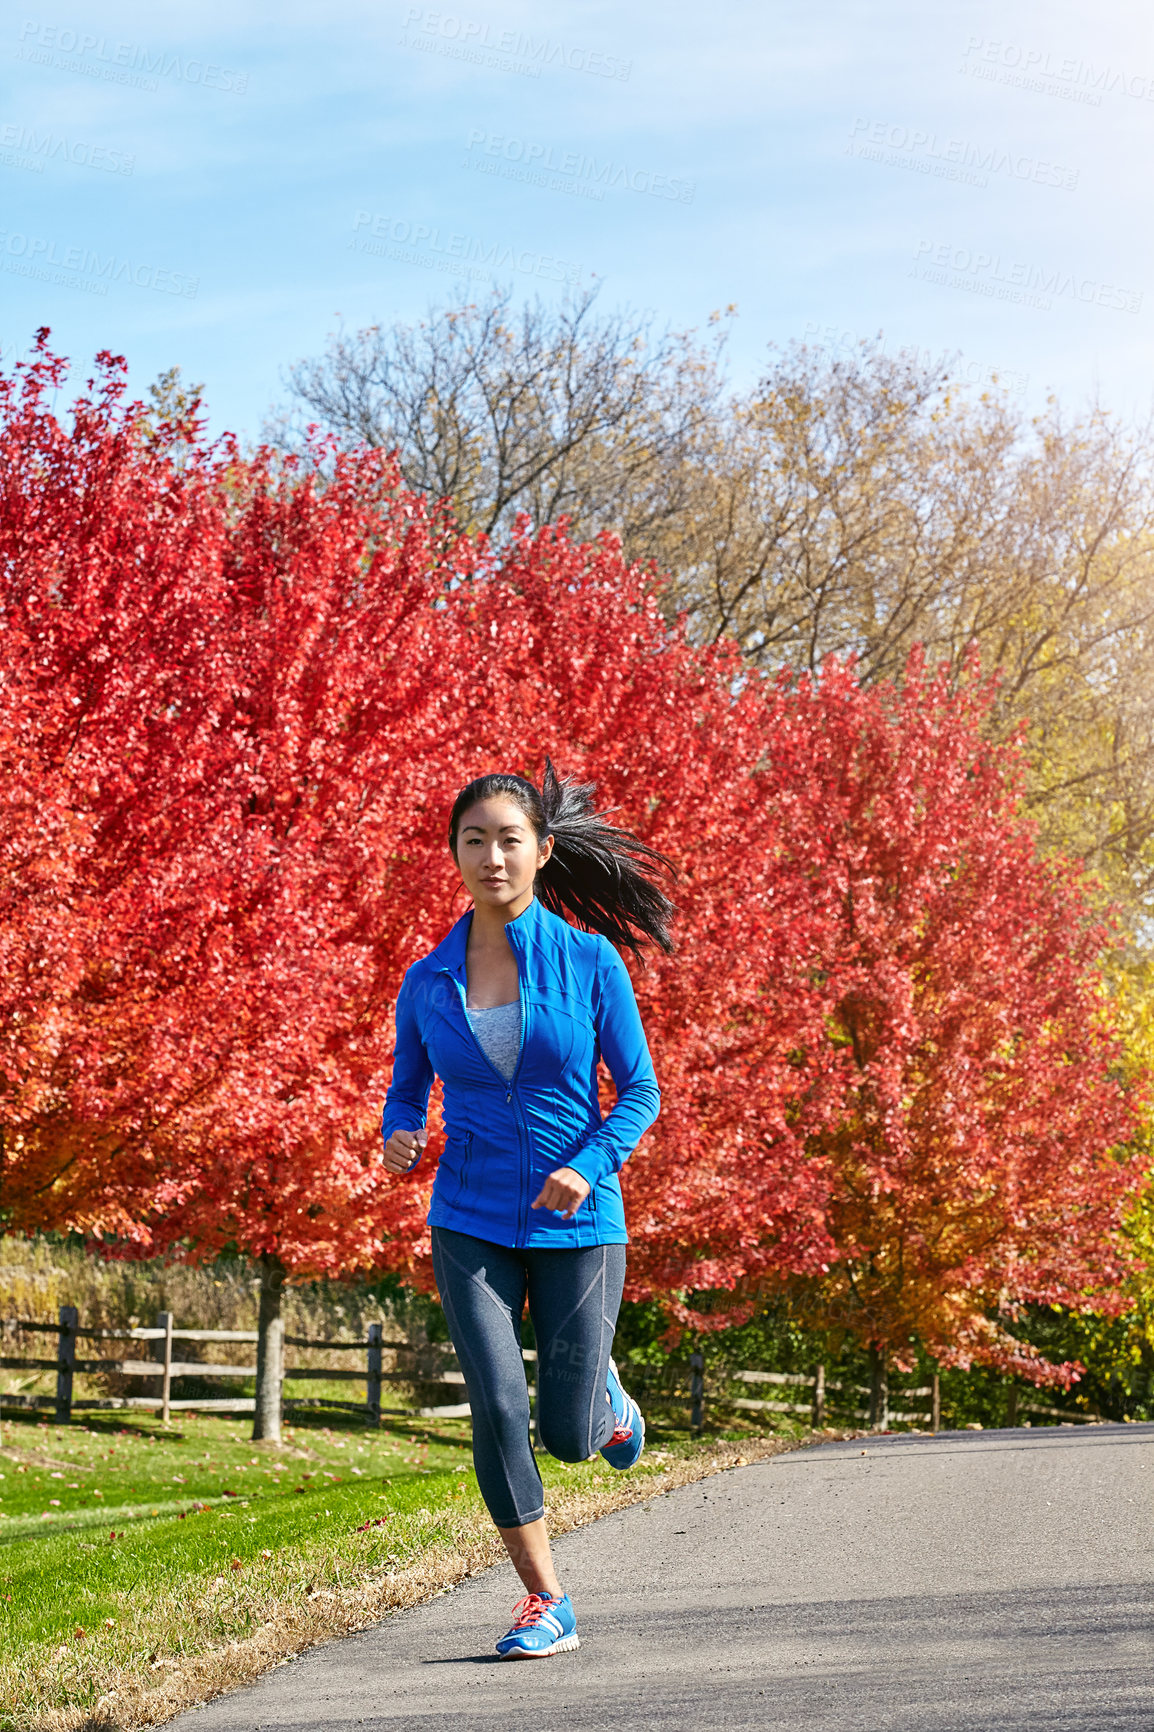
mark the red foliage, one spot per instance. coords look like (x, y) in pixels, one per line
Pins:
(203, 926)
(885, 1060)
(237, 701)
(946, 1076)
(109, 667)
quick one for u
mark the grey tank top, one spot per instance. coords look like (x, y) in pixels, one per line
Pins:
(498, 1032)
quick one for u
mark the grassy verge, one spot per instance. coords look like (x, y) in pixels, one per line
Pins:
(143, 1570)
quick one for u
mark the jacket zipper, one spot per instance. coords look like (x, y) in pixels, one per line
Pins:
(523, 1129)
(508, 1086)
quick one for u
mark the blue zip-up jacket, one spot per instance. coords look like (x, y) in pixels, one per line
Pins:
(503, 1139)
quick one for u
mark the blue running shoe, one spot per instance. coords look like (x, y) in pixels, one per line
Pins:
(541, 1626)
(628, 1438)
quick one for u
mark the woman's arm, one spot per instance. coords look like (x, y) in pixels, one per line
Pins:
(407, 1102)
(624, 1048)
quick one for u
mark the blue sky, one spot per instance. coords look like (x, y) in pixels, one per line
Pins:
(216, 186)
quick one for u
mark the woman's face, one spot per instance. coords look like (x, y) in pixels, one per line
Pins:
(499, 854)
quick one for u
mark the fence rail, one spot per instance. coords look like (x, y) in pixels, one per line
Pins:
(825, 1400)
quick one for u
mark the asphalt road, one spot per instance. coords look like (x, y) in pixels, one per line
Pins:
(1000, 1581)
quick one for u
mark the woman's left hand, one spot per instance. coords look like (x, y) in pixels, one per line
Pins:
(564, 1190)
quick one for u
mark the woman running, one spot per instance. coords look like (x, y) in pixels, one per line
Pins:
(513, 1010)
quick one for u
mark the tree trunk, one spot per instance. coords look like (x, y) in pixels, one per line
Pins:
(1144, 1380)
(879, 1388)
(269, 1351)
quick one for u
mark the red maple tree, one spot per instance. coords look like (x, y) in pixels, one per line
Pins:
(207, 711)
(109, 667)
(951, 1076)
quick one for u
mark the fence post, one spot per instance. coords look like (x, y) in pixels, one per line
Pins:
(697, 1390)
(1012, 1405)
(936, 1382)
(819, 1398)
(164, 1353)
(65, 1363)
(373, 1378)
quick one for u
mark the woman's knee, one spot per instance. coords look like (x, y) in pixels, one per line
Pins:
(505, 1419)
(564, 1438)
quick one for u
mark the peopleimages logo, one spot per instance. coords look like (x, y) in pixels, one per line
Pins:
(1027, 285)
(85, 269)
(24, 147)
(100, 57)
(458, 254)
(923, 152)
(539, 164)
(1067, 76)
(511, 50)
(838, 341)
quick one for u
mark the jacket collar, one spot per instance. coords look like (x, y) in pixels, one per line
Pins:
(449, 956)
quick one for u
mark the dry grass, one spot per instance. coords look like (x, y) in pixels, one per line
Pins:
(296, 1606)
(37, 1276)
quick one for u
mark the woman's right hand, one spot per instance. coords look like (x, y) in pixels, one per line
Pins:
(403, 1150)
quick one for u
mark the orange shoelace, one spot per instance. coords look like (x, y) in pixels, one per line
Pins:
(528, 1610)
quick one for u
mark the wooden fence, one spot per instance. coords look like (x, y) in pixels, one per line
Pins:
(824, 1399)
(165, 1369)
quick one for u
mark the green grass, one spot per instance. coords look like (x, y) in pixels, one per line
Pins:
(126, 1547)
(184, 1502)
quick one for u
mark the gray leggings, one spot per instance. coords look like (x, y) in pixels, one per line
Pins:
(574, 1296)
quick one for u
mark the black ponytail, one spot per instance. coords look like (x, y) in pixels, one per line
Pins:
(598, 874)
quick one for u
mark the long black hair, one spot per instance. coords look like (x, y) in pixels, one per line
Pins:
(596, 872)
